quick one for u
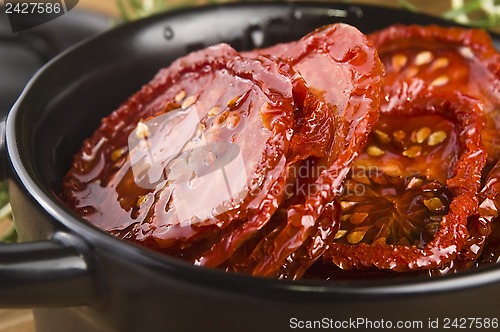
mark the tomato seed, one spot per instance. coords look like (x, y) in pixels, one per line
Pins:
(412, 72)
(393, 170)
(358, 218)
(382, 137)
(440, 81)
(374, 151)
(346, 205)
(414, 183)
(340, 234)
(399, 135)
(141, 200)
(422, 134)
(142, 130)
(180, 96)
(380, 240)
(355, 237)
(466, 52)
(434, 204)
(413, 151)
(214, 111)
(423, 58)
(189, 101)
(398, 61)
(439, 63)
(117, 154)
(436, 137)
(232, 120)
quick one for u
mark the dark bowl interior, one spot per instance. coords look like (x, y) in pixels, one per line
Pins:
(67, 99)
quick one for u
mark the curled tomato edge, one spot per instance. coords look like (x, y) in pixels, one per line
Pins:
(464, 185)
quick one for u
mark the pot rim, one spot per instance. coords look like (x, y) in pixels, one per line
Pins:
(201, 276)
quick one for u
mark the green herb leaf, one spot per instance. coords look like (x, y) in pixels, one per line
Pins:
(468, 8)
(4, 195)
(408, 5)
(7, 230)
(134, 9)
(476, 13)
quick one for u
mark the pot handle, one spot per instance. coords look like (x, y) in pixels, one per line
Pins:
(50, 273)
(3, 150)
(47, 273)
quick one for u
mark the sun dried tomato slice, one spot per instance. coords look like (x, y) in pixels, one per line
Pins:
(343, 70)
(420, 60)
(298, 263)
(483, 245)
(409, 194)
(487, 235)
(199, 147)
(395, 193)
(226, 243)
(340, 65)
(487, 244)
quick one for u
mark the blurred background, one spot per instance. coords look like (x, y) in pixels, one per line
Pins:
(478, 12)
(23, 53)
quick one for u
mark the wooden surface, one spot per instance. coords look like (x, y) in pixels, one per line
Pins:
(16, 321)
(22, 320)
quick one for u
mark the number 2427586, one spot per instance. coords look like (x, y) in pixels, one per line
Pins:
(33, 8)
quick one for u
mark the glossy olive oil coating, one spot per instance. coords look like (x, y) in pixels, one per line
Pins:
(333, 156)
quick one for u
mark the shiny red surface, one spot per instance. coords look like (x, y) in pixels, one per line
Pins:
(340, 67)
(450, 60)
(425, 59)
(250, 162)
(228, 103)
(408, 236)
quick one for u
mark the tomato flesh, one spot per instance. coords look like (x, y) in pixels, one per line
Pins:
(343, 70)
(204, 128)
(396, 192)
(423, 59)
(426, 201)
(278, 162)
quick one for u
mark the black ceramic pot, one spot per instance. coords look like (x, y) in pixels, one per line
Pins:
(81, 279)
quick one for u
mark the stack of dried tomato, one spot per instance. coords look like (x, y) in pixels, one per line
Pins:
(335, 155)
